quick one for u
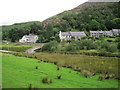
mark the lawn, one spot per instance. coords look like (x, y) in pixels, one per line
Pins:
(19, 72)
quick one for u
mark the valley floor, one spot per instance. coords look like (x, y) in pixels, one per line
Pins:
(20, 72)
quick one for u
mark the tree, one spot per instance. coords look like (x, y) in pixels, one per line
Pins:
(51, 46)
(112, 48)
(34, 28)
(95, 25)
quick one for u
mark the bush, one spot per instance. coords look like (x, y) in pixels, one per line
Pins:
(86, 73)
(112, 48)
(117, 39)
(46, 80)
(89, 44)
(51, 46)
(58, 76)
(70, 47)
(107, 46)
(104, 44)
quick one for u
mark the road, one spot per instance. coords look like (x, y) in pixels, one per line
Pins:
(6, 51)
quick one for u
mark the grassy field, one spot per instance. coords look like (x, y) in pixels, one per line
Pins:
(13, 47)
(20, 72)
(94, 64)
(0, 70)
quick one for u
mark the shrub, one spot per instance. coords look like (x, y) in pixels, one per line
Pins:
(30, 86)
(104, 44)
(101, 77)
(51, 46)
(89, 44)
(58, 76)
(46, 80)
(36, 67)
(70, 47)
(112, 48)
(58, 68)
(117, 39)
(86, 73)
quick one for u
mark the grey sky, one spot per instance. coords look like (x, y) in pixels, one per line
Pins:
(16, 11)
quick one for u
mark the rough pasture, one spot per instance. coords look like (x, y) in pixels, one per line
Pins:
(93, 64)
(22, 73)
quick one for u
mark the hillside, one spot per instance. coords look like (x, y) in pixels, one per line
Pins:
(97, 14)
(85, 17)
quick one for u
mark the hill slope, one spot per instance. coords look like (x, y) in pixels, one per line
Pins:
(85, 17)
(89, 15)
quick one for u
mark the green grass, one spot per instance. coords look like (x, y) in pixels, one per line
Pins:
(13, 47)
(95, 64)
(0, 70)
(19, 72)
(112, 39)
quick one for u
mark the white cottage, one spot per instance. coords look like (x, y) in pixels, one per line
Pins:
(69, 35)
(29, 38)
(116, 32)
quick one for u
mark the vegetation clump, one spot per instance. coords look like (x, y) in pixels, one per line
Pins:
(85, 46)
(36, 67)
(59, 76)
(30, 87)
(58, 68)
(86, 73)
(46, 80)
(50, 47)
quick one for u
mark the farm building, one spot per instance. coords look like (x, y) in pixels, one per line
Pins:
(29, 38)
(100, 33)
(69, 35)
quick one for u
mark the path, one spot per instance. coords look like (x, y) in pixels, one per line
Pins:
(32, 50)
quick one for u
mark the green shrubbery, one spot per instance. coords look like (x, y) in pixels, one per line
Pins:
(103, 47)
(118, 46)
(109, 47)
(50, 47)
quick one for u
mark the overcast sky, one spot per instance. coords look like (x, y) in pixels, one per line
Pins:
(15, 11)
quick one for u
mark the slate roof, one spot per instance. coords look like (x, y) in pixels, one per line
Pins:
(78, 34)
(65, 33)
(30, 36)
(73, 34)
(107, 32)
(96, 32)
